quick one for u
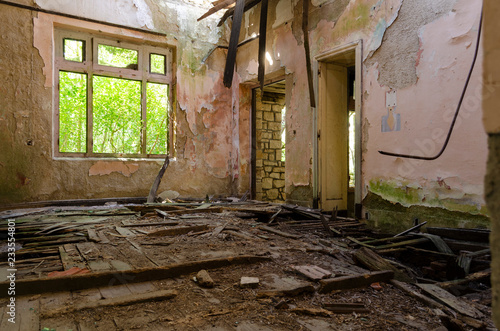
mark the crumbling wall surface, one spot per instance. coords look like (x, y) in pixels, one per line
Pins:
(415, 53)
(426, 95)
(205, 160)
(491, 118)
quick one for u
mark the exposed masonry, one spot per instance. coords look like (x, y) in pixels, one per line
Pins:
(270, 170)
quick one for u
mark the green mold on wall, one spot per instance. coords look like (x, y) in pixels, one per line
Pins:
(393, 217)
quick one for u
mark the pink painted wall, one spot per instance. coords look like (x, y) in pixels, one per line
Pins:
(420, 50)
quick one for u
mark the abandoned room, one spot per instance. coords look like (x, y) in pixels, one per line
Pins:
(249, 165)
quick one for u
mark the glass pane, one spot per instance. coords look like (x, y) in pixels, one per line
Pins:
(117, 57)
(157, 63)
(117, 115)
(73, 50)
(72, 112)
(157, 119)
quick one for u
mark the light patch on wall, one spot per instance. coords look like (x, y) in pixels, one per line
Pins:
(135, 13)
(102, 168)
(391, 121)
(283, 12)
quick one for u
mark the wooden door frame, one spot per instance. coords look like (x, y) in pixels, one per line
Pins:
(331, 56)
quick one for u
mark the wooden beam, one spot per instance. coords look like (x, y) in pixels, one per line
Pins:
(220, 5)
(124, 300)
(100, 279)
(248, 5)
(156, 183)
(305, 30)
(350, 282)
(233, 43)
(262, 44)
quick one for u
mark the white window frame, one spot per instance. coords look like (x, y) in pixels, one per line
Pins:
(90, 67)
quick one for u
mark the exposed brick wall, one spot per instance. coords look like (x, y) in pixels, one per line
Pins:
(270, 170)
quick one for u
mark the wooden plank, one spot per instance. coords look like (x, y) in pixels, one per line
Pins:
(242, 235)
(116, 291)
(138, 288)
(233, 43)
(248, 5)
(93, 235)
(278, 232)
(375, 262)
(197, 211)
(156, 183)
(485, 274)
(413, 242)
(286, 292)
(409, 289)
(70, 257)
(262, 44)
(346, 308)
(124, 232)
(305, 31)
(450, 300)
(119, 301)
(219, 6)
(178, 231)
(27, 311)
(312, 272)
(477, 235)
(350, 282)
(102, 237)
(120, 265)
(91, 280)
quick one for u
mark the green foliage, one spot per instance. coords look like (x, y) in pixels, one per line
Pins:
(157, 118)
(157, 63)
(72, 112)
(117, 118)
(117, 57)
(73, 50)
(117, 115)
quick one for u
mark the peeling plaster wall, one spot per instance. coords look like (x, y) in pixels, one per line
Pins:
(491, 117)
(420, 51)
(208, 155)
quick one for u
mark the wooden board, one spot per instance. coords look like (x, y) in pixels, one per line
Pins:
(350, 282)
(450, 300)
(178, 230)
(27, 311)
(70, 257)
(117, 291)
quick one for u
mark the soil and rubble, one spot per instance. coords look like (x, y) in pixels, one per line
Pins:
(226, 264)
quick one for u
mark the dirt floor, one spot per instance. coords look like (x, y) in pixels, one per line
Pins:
(113, 238)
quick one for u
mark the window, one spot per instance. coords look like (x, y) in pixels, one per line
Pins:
(112, 97)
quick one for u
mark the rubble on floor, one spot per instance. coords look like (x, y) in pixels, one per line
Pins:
(228, 264)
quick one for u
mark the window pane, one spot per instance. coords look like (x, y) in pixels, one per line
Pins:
(116, 115)
(117, 57)
(72, 112)
(73, 50)
(157, 119)
(157, 63)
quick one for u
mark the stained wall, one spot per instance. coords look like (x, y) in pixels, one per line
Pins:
(417, 53)
(208, 121)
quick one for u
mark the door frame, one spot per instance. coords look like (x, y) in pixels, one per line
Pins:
(330, 56)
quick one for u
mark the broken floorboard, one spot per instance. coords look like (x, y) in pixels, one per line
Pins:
(350, 282)
(116, 301)
(90, 280)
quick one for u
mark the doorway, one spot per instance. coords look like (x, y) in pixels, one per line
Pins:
(268, 175)
(338, 131)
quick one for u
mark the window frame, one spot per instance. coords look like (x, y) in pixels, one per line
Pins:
(91, 67)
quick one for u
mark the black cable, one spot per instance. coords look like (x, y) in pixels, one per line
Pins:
(430, 158)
